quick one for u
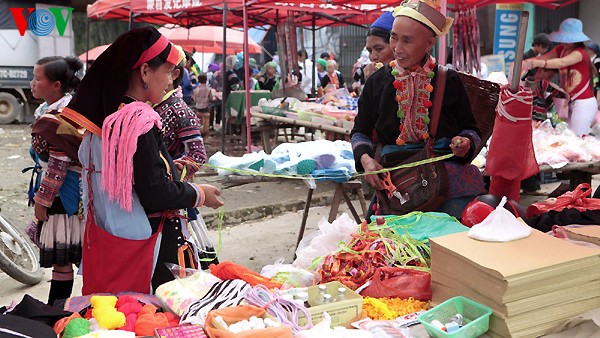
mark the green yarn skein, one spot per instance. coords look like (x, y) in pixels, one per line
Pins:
(306, 166)
(77, 327)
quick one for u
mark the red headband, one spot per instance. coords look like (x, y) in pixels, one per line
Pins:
(156, 49)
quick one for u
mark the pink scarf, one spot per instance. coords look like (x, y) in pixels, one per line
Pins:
(120, 132)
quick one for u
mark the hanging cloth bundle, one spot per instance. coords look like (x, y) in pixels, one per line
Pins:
(466, 55)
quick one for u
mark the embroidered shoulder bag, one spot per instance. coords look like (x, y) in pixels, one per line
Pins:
(420, 188)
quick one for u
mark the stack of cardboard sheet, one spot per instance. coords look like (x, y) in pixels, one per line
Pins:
(533, 284)
(588, 233)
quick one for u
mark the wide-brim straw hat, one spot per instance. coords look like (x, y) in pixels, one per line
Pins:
(570, 31)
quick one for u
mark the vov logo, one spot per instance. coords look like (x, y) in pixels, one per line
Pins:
(41, 21)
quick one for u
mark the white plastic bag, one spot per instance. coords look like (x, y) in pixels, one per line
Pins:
(500, 226)
(177, 295)
(325, 241)
(324, 330)
(288, 274)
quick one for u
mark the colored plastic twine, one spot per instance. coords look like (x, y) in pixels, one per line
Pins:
(309, 177)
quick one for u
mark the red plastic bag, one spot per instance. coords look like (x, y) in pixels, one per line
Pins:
(576, 199)
(402, 283)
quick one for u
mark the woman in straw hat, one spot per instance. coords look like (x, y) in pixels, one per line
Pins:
(132, 230)
(576, 73)
(394, 108)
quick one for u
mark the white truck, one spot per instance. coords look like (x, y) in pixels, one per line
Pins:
(18, 55)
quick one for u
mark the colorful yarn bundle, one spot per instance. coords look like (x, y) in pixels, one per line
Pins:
(228, 270)
(391, 308)
(105, 313)
(125, 313)
(149, 320)
(76, 327)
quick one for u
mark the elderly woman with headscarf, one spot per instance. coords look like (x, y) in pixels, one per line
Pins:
(333, 76)
(132, 191)
(268, 79)
(394, 109)
(321, 70)
(232, 81)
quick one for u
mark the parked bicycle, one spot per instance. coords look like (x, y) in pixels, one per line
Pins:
(18, 256)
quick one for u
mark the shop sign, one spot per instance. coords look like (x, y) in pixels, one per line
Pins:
(506, 31)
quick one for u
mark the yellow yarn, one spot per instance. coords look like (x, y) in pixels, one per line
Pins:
(391, 308)
(101, 301)
(105, 312)
(376, 309)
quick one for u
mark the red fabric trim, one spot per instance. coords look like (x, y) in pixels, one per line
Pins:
(173, 55)
(153, 51)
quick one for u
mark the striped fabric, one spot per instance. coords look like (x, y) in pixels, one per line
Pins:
(222, 294)
(54, 175)
(181, 132)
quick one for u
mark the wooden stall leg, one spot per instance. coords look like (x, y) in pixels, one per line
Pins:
(361, 199)
(577, 177)
(335, 202)
(304, 218)
(266, 139)
(350, 206)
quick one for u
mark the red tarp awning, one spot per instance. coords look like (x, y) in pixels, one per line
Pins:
(260, 12)
(109, 9)
(554, 4)
(93, 53)
(209, 39)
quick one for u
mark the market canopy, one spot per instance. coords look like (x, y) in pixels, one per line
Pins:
(109, 9)
(208, 39)
(260, 12)
(554, 4)
(93, 53)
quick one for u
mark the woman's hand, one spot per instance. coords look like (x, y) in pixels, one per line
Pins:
(460, 146)
(371, 68)
(41, 212)
(210, 196)
(528, 64)
(369, 164)
(180, 164)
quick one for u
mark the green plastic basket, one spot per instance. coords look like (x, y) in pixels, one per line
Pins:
(476, 318)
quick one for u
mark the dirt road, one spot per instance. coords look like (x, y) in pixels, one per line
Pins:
(14, 156)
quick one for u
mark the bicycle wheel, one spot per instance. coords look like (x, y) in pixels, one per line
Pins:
(18, 257)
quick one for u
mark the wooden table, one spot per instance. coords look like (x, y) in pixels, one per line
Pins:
(237, 101)
(576, 172)
(280, 121)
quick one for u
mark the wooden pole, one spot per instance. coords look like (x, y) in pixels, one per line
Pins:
(247, 79)
(516, 76)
